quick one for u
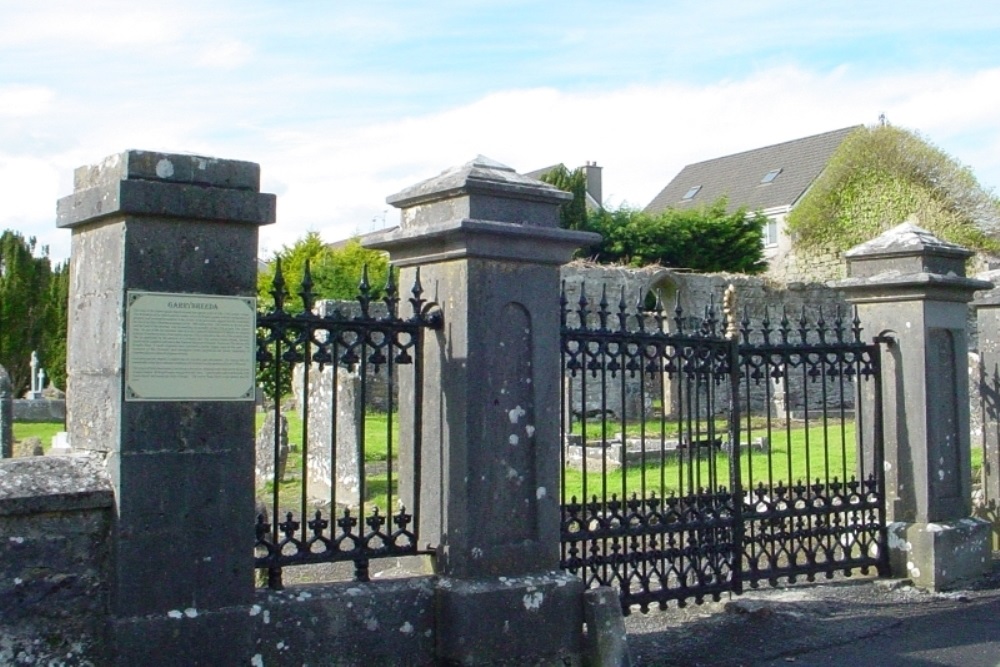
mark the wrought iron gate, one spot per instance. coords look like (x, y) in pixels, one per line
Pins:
(702, 455)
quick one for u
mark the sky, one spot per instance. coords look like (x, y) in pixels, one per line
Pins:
(346, 103)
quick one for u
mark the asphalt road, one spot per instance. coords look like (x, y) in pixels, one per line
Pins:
(850, 623)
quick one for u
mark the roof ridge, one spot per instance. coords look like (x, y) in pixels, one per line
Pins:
(776, 145)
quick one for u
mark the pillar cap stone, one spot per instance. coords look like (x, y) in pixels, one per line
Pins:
(136, 182)
(481, 189)
(908, 262)
(481, 175)
(481, 209)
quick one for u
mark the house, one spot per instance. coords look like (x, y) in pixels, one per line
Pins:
(771, 180)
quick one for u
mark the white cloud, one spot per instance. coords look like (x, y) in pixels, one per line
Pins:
(20, 100)
(97, 24)
(333, 175)
(227, 55)
(642, 136)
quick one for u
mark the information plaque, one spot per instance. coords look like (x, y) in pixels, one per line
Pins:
(189, 347)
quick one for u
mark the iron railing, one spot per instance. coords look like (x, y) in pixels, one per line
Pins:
(815, 488)
(648, 506)
(701, 454)
(294, 529)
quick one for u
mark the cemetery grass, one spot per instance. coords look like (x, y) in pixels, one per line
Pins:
(377, 432)
(797, 454)
(44, 431)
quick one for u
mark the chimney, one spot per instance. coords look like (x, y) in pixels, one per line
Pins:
(593, 173)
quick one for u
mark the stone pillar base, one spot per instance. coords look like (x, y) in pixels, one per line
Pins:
(536, 620)
(939, 556)
(182, 637)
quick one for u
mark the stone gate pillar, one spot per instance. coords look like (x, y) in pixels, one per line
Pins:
(488, 247)
(911, 286)
(987, 377)
(182, 469)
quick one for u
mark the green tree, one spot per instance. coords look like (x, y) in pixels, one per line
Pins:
(706, 239)
(25, 311)
(572, 214)
(53, 351)
(879, 177)
(336, 272)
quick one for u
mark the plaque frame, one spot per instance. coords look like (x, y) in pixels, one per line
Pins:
(186, 347)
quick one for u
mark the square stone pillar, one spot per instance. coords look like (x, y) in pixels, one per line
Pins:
(987, 377)
(183, 471)
(488, 246)
(911, 286)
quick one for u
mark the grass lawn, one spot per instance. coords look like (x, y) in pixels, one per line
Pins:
(377, 439)
(787, 461)
(44, 431)
(796, 454)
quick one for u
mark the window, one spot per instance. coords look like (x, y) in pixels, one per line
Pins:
(770, 235)
(770, 176)
(691, 193)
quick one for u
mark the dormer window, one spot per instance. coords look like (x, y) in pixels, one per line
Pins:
(770, 176)
(689, 195)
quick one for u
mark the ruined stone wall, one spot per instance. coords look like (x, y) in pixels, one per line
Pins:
(819, 265)
(55, 521)
(756, 297)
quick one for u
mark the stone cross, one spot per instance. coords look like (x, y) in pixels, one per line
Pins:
(37, 377)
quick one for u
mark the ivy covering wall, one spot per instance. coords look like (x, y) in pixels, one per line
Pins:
(882, 175)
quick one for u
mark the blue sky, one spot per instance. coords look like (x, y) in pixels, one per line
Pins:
(343, 103)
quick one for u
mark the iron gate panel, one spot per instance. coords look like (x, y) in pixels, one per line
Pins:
(375, 342)
(669, 494)
(833, 518)
(672, 531)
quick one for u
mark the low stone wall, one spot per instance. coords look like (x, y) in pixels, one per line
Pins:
(349, 623)
(55, 521)
(40, 410)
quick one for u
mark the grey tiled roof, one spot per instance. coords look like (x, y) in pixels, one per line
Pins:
(538, 173)
(739, 176)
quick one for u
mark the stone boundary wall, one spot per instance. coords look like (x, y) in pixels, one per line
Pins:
(360, 623)
(55, 523)
(819, 265)
(40, 410)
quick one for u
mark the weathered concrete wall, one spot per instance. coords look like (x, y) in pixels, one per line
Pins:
(55, 519)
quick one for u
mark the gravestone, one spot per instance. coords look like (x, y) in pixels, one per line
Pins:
(60, 443)
(6, 415)
(37, 379)
(264, 463)
(334, 435)
(29, 447)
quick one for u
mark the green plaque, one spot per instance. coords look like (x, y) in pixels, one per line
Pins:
(190, 347)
